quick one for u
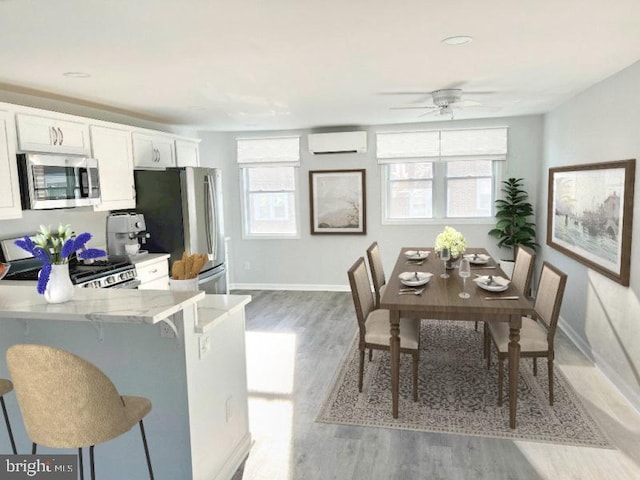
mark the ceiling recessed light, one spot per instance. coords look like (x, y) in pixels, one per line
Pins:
(458, 40)
(76, 74)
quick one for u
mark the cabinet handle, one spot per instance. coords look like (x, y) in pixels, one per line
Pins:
(54, 135)
(61, 136)
(155, 270)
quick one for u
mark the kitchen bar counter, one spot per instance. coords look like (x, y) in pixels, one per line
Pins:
(111, 305)
(194, 372)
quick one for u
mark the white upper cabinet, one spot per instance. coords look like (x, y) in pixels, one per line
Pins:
(112, 148)
(10, 199)
(49, 134)
(187, 153)
(153, 151)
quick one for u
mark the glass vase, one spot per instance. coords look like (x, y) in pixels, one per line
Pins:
(59, 288)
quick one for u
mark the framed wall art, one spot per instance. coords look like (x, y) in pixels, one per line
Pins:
(590, 213)
(337, 201)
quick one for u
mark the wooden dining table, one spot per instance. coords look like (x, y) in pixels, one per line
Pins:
(440, 300)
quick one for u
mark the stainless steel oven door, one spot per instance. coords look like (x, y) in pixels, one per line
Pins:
(128, 284)
(59, 181)
(131, 284)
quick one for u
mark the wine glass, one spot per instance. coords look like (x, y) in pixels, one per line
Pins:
(445, 255)
(464, 271)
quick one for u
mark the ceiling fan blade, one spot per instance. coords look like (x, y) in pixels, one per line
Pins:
(428, 107)
(467, 103)
(404, 93)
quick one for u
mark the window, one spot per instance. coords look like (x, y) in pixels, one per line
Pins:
(440, 174)
(268, 169)
(410, 190)
(469, 185)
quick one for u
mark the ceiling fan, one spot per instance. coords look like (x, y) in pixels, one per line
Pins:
(443, 100)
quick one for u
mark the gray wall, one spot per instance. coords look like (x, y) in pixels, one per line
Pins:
(601, 316)
(321, 261)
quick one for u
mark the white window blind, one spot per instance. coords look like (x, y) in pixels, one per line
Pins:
(481, 144)
(268, 151)
(408, 146)
(442, 145)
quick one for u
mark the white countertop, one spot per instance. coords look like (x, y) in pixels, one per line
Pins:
(96, 304)
(215, 308)
(147, 257)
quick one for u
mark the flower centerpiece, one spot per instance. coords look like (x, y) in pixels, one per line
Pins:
(55, 248)
(453, 240)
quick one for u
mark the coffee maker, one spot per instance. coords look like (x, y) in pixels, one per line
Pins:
(125, 228)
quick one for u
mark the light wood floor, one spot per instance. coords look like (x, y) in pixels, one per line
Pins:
(295, 344)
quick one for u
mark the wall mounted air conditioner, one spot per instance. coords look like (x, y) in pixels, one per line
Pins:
(338, 142)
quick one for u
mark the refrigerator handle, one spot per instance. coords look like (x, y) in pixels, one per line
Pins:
(210, 221)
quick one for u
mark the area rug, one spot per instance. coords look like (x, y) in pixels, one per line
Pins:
(457, 394)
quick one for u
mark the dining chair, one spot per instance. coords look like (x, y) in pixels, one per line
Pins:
(377, 271)
(5, 387)
(537, 334)
(523, 269)
(67, 402)
(374, 326)
(520, 278)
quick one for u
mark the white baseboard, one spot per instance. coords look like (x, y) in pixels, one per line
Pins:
(293, 287)
(601, 364)
(235, 459)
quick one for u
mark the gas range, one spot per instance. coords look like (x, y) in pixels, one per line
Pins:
(115, 272)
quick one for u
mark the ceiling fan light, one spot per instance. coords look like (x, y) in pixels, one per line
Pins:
(458, 40)
(446, 110)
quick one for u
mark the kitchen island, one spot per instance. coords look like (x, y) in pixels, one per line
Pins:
(185, 351)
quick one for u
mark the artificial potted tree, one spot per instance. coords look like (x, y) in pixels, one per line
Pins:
(513, 227)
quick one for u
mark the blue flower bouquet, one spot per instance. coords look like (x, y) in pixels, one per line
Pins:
(57, 247)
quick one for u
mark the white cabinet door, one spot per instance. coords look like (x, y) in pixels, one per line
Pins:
(112, 148)
(47, 134)
(153, 151)
(157, 284)
(10, 199)
(187, 154)
(153, 274)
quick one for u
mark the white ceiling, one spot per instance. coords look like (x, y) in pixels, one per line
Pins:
(281, 64)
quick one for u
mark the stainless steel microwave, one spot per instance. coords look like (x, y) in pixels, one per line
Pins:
(58, 181)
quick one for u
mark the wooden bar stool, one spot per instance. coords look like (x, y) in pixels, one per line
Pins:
(67, 402)
(5, 387)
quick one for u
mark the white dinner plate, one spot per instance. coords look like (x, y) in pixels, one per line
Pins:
(416, 254)
(499, 284)
(479, 259)
(414, 279)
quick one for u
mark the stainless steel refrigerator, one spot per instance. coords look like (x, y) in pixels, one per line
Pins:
(182, 208)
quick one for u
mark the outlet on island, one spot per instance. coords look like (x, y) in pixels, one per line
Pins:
(247, 265)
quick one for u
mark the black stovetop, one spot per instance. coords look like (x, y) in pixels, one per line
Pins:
(78, 271)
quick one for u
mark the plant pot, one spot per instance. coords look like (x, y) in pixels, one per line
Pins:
(451, 263)
(59, 288)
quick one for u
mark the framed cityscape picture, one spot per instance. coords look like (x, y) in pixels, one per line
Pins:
(337, 201)
(590, 214)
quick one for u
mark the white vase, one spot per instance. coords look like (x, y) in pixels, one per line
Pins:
(190, 284)
(59, 288)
